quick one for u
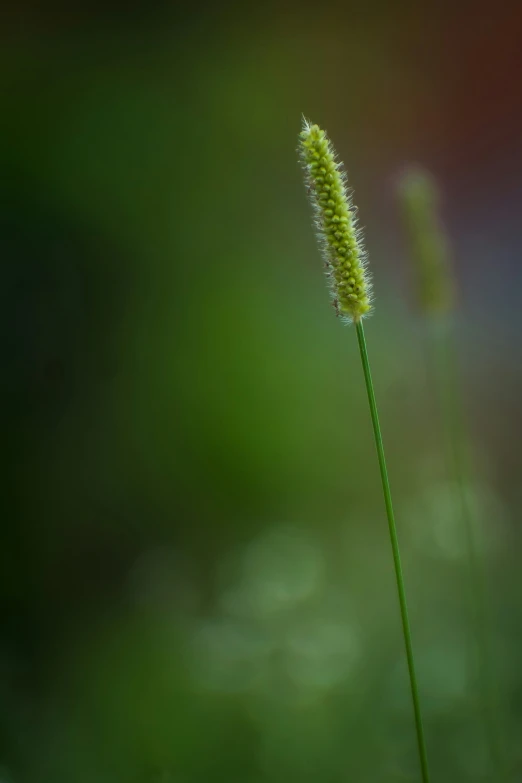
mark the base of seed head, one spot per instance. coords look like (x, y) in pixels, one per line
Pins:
(339, 237)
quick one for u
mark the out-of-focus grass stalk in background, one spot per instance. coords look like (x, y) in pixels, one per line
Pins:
(430, 257)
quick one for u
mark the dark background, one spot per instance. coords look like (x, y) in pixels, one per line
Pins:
(195, 575)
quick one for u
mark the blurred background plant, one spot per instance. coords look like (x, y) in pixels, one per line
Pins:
(431, 264)
(195, 583)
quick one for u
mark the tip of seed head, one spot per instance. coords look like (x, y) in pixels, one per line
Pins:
(311, 132)
(417, 184)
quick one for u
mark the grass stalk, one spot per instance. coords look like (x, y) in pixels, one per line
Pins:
(421, 742)
(436, 298)
(445, 375)
(348, 276)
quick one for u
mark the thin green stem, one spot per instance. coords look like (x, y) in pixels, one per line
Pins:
(421, 742)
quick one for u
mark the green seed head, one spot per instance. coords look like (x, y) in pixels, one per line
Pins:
(344, 256)
(429, 249)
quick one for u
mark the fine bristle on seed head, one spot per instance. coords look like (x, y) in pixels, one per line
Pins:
(336, 222)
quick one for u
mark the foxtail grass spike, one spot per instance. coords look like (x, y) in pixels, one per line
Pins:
(345, 263)
(336, 222)
(430, 254)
